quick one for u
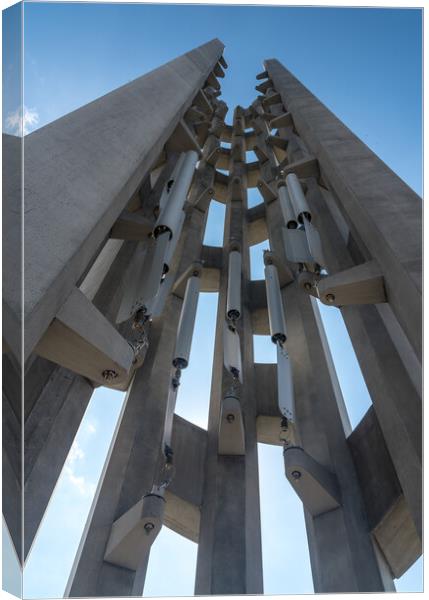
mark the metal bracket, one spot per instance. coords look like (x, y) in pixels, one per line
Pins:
(316, 486)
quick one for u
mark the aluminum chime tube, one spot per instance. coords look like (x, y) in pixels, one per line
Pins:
(166, 231)
(233, 303)
(177, 189)
(285, 393)
(299, 201)
(180, 361)
(286, 206)
(274, 303)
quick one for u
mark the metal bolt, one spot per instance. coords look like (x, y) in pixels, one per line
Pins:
(148, 527)
(330, 298)
(109, 374)
(296, 474)
(230, 418)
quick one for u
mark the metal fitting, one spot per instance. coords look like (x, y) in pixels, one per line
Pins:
(296, 474)
(109, 374)
(148, 528)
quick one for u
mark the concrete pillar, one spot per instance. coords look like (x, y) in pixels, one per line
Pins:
(341, 549)
(366, 215)
(131, 463)
(229, 550)
(384, 214)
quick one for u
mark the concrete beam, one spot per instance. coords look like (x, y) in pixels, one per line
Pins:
(88, 142)
(388, 515)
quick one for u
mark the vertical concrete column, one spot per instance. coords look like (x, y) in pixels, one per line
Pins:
(383, 212)
(229, 550)
(131, 464)
(387, 355)
(341, 549)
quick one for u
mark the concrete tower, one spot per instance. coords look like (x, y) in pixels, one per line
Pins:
(115, 207)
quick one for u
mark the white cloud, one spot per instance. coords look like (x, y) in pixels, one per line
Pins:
(22, 120)
(91, 428)
(84, 487)
(76, 453)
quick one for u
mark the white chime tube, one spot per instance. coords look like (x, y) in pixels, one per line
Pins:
(170, 216)
(299, 201)
(186, 323)
(275, 305)
(153, 270)
(172, 244)
(233, 304)
(156, 305)
(169, 184)
(287, 208)
(232, 351)
(144, 279)
(286, 400)
(169, 416)
(314, 243)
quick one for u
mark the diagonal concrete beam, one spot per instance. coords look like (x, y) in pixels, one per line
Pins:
(79, 179)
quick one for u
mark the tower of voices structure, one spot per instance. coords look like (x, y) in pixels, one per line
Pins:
(115, 208)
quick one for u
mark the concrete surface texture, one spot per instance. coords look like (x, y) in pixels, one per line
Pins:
(341, 228)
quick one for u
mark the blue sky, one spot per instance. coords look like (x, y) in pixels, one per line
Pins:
(365, 65)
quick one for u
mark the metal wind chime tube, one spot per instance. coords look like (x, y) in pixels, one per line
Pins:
(167, 187)
(153, 505)
(232, 351)
(299, 201)
(274, 301)
(304, 245)
(231, 427)
(148, 296)
(286, 206)
(285, 393)
(180, 361)
(233, 304)
(187, 322)
(177, 190)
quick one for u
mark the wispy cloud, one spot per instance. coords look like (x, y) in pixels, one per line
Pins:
(22, 120)
(84, 487)
(91, 428)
